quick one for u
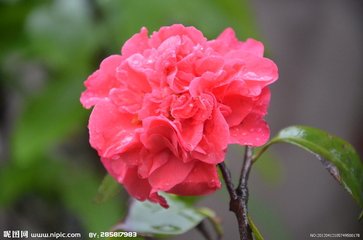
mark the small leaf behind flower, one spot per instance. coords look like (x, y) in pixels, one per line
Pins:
(108, 188)
(360, 216)
(337, 155)
(150, 219)
(256, 233)
(214, 220)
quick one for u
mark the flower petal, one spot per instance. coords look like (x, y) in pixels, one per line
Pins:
(213, 145)
(111, 131)
(170, 174)
(140, 188)
(203, 179)
(101, 82)
(253, 131)
(136, 44)
(240, 107)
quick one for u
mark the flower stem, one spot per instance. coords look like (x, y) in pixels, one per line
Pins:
(204, 231)
(239, 196)
(242, 188)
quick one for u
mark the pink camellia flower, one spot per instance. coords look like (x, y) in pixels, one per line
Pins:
(166, 108)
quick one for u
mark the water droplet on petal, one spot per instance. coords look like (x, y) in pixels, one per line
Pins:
(115, 157)
(212, 184)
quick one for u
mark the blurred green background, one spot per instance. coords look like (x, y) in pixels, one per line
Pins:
(49, 175)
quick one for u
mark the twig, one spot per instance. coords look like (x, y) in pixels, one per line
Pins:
(242, 189)
(228, 180)
(246, 168)
(239, 196)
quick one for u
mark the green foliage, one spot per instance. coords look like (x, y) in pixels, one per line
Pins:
(108, 189)
(55, 111)
(337, 155)
(46, 120)
(68, 39)
(150, 219)
(78, 191)
(57, 179)
(125, 18)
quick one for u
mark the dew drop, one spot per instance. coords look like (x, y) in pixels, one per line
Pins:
(116, 157)
(166, 228)
(212, 184)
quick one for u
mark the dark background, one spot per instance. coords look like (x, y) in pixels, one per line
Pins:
(48, 173)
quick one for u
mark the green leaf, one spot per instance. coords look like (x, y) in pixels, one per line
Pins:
(256, 233)
(150, 219)
(108, 188)
(212, 217)
(337, 155)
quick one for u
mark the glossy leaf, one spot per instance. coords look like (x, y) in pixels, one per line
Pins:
(337, 155)
(150, 219)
